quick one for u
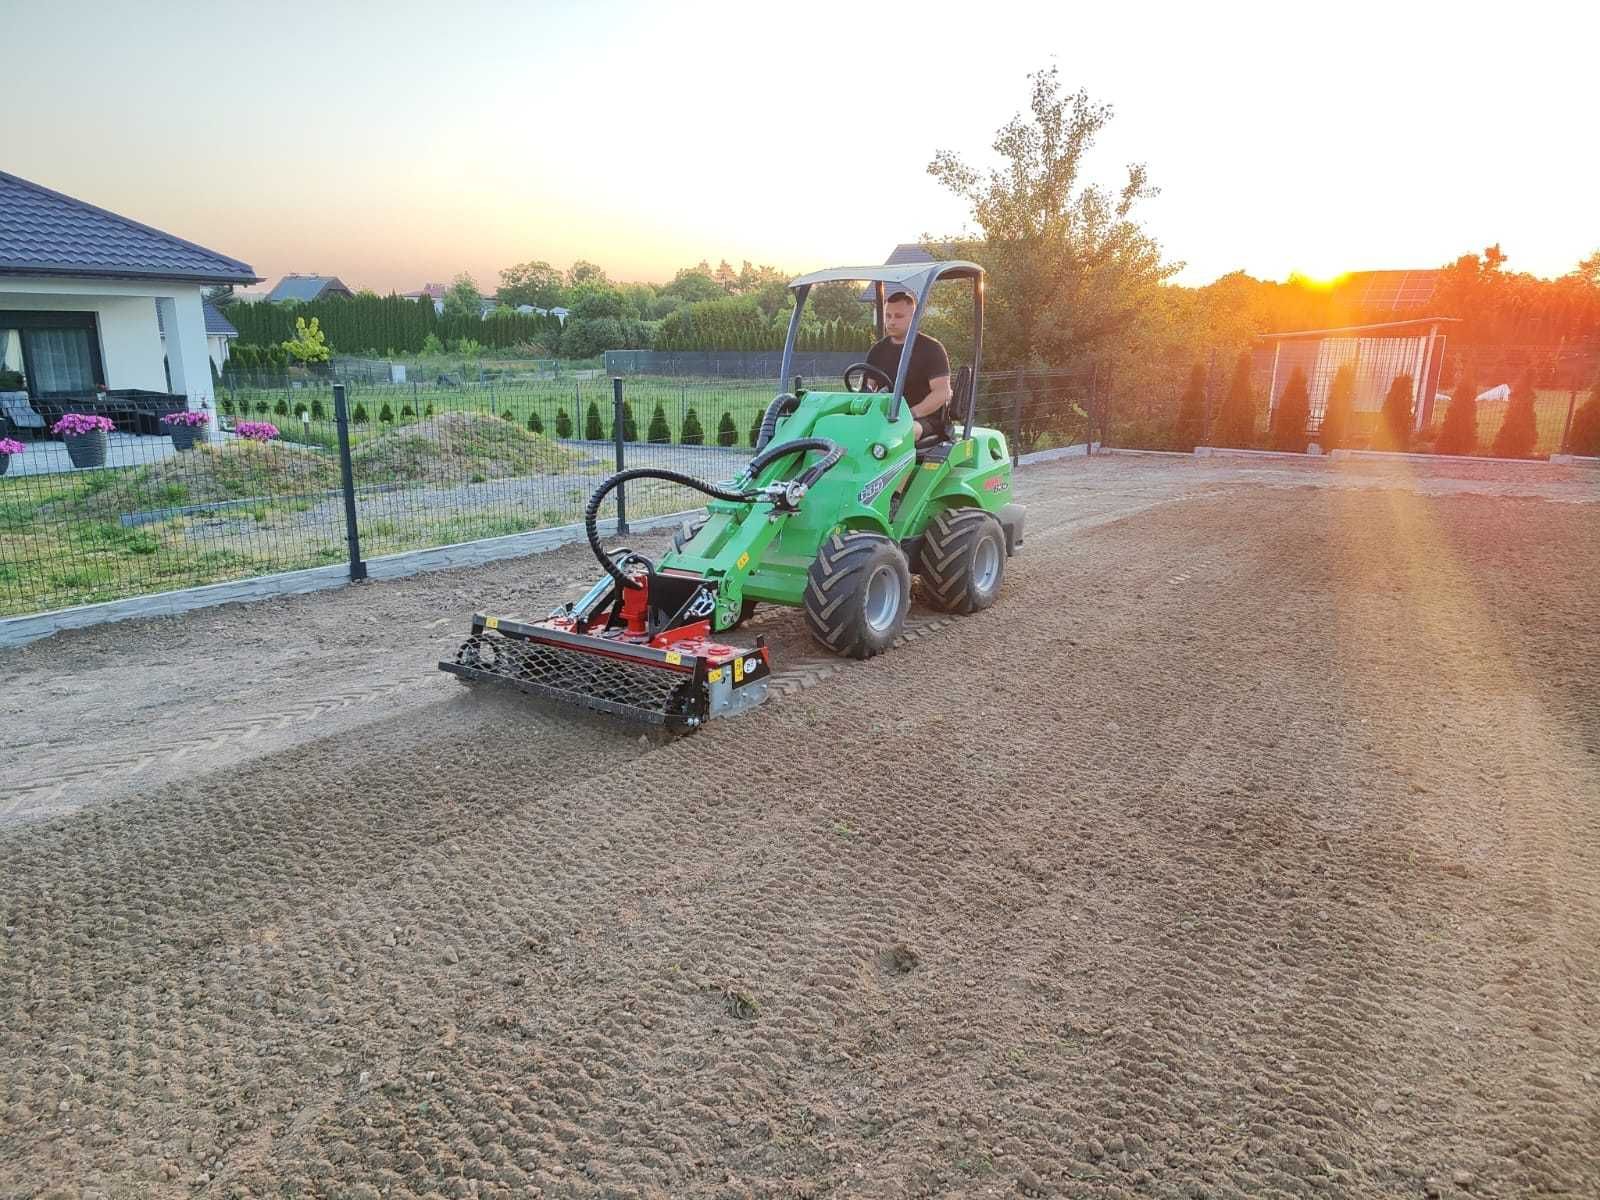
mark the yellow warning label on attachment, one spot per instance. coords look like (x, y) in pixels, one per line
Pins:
(930, 466)
(738, 670)
(744, 561)
(491, 622)
(674, 658)
(714, 675)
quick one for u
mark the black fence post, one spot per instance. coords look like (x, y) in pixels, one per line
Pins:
(347, 477)
(1016, 421)
(618, 435)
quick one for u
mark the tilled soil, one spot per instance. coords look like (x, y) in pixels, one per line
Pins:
(1247, 847)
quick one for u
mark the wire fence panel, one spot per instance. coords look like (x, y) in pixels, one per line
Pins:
(456, 454)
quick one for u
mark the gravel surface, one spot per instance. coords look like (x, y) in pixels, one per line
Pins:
(1249, 846)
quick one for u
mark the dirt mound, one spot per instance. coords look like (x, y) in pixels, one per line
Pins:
(455, 447)
(238, 470)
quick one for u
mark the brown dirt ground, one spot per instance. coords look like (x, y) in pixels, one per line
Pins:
(1250, 846)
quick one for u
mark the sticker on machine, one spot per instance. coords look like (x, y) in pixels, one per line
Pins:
(875, 488)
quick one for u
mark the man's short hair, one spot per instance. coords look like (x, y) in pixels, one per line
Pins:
(902, 295)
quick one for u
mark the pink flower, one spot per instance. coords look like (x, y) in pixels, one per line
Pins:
(187, 417)
(256, 431)
(78, 424)
(11, 446)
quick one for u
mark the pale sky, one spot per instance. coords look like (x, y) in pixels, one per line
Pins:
(396, 143)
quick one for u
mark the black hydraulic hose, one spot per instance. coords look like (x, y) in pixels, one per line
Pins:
(772, 454)
(591, 513)
(780, 407)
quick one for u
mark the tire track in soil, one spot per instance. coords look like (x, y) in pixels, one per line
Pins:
(1199, 1026)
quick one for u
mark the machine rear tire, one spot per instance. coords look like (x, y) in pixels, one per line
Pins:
(963, 560)
(858, 591)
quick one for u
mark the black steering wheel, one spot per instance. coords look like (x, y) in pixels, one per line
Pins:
(862, 372)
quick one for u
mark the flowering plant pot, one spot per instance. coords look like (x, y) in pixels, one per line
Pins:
(184, 428)
(84, 435)
(8, 447)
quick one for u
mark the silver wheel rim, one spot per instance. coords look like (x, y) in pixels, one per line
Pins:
(883, 599)
(985, 565)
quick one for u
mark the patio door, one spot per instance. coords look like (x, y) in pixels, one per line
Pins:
(62, 359)
(60, 351)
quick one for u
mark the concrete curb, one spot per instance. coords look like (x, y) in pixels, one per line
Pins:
(1039, 456)
(1574, 460)
(18, 631)
(1234, 452)
(1399, 456)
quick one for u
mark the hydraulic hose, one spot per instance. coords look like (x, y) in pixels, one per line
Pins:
(780, 407)
(591, 513)
(772, 454)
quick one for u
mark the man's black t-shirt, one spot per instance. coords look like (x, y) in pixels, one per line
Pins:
(928, 362)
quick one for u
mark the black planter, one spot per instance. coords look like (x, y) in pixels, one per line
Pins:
(5, 461)
(184, 436)
(87, 449)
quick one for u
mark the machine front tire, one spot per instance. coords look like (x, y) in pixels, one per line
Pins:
(963, 560)
(858, 591)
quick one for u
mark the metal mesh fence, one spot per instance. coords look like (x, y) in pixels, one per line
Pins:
(442, 459)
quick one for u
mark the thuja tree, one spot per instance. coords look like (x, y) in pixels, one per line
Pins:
(1292, 413)
(1459, 433)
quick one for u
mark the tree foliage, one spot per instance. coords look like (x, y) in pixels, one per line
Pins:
(1459, 433)
(309, 344)
(1236, 422)
(1336, 417)
(535, 283)
(1584, 437)
(463, 298)
(727, 431)
(1291, 415)
(692, 434)
(1520, 429)
(1069, 265)
(1398, 409)
(1192, 411)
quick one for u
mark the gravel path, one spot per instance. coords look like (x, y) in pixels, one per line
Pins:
(1250, 846)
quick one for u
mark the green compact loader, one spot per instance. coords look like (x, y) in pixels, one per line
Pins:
(836, 511)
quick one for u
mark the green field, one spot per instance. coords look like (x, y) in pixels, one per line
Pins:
(744, 400)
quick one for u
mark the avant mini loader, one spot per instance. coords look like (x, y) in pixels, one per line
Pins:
(834, 514)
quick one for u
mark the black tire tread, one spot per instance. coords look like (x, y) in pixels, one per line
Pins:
(833, 584)
(945, 560)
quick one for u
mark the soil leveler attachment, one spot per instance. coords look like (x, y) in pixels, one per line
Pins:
(840, 506)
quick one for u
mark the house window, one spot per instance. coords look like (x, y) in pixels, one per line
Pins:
(55, 351)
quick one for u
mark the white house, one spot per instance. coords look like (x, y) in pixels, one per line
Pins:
(85, 295)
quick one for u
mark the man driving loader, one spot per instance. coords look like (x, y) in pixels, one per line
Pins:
(928, 376)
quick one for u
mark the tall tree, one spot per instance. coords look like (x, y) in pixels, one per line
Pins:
(1069, 264)
(1584, 437)
(1337, 415)
(1459, 433)
(535, 283)
(584, 271)
(463, 299)
(1520, 429)
(1192, 411)
(1291, 415)
(1398, 410)
(1236, 422)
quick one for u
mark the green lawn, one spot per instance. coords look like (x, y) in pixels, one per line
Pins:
(744, 400)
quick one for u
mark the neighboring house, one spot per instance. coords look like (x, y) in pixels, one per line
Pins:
(434, 291)
(905, 252)
(219, 332)
(85, 295)
(306, 288)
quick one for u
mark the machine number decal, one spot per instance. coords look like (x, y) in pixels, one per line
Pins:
(995, 483)
(875, 489)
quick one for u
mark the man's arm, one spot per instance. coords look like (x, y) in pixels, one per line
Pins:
(937, 397)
